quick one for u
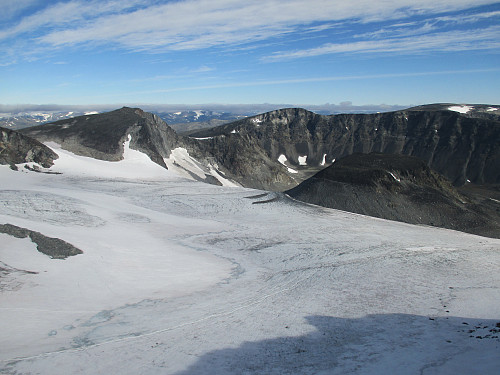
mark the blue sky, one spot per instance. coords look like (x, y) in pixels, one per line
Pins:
(404, 52)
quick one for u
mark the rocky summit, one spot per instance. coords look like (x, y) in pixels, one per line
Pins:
(101, 136)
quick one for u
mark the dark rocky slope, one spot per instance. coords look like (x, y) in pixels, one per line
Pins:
(398, 187)
(458, 146)
(16, 148)
(101, 136)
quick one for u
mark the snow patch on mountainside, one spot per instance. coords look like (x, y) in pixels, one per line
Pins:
(302, 160)
(183, 164)
(323, 161)
(461, 108)
(214, 171)
(394, 177)
(257, 121)
(135, 165)
(282, 159)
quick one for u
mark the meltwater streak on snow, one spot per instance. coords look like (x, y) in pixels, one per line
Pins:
(189, 278)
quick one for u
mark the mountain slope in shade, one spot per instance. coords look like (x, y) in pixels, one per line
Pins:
(106, 136)
(396, 187)
(278, 150)
(16, 148)
(222, 161)
(454, 144)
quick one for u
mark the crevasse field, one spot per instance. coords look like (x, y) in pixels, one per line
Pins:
(182, 277)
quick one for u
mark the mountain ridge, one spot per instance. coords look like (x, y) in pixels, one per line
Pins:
(279, 149)
(282, 149)
(461, 148)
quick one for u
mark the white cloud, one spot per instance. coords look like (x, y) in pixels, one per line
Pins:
(239, 25)
(203, 69)
(257, 83)
(469, 18)
(195, 24)
(486, 39)
(12, 7)
(67, 14)
(399, 31)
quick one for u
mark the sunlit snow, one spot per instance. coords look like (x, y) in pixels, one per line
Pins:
(183, 277)
(136, 165)
(302, 160)
(324, 160)
(257, 121)
(461, 108)
(394, 177)
(282, 159)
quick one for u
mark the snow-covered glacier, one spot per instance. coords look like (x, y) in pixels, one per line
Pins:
(182, 277)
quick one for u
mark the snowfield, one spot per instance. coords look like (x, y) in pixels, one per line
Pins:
(182, 277)
(461, 108)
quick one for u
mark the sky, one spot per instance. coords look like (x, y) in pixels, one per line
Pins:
(394, 52)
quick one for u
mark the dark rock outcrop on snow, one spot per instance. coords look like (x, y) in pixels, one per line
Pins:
(16, 148)
(53, 247)
(398, 187)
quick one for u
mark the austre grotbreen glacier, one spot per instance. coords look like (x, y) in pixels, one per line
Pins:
(176, 276)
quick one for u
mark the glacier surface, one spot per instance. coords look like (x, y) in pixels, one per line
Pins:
(182, 277)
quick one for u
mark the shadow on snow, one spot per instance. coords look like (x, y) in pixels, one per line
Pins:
(388, 343)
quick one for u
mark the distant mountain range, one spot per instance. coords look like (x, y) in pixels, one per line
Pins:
(281, 149)
(182, 118)
(181, 121)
